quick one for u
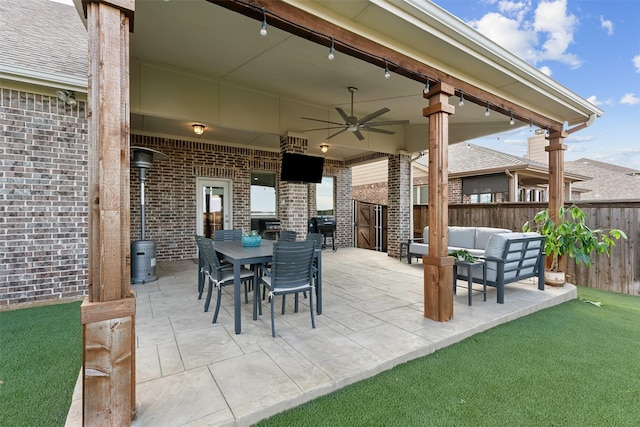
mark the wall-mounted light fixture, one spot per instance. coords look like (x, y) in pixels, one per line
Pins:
(324, 147)
(67, 96)
(198, 129)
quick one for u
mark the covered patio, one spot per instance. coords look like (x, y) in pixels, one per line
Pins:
(250, 72)
(190, 372)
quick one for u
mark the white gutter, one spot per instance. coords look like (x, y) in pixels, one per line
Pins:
(58, 81)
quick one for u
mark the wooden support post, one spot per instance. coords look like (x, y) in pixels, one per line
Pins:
(556, 151)
(108, 313)
(438, 266)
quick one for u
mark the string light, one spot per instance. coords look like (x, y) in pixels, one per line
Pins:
(387, 72)
(263, 28)
(332, 51)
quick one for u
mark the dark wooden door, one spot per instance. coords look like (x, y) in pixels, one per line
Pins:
(370, 226)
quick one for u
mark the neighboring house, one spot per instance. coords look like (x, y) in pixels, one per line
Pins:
(476, 175)
(608, 182)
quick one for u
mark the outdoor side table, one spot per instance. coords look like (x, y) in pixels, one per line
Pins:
(469, 266)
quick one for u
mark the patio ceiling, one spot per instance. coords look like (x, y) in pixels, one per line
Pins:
(193, 61)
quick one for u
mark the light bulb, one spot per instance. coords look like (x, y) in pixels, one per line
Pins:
(512, 122)
(461, 103)
(426, 88)
(263, 29)
(487, 112)
(387, 74)
(332, 51)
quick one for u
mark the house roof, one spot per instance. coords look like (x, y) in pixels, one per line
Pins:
(609, 182)
(43, 42)
(467, 159)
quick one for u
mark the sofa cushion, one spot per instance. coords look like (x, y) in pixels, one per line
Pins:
(419, 248)
(483, 234)
(462, 237)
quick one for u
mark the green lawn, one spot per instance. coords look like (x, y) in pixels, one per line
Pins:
(571, 365)
(40, 359)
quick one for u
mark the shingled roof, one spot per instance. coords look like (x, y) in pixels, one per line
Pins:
(609, 182)
(466, 159)
(55, 53)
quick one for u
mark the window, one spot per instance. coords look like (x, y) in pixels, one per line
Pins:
(324, 197)
(421, 195)
(482, 198)
(263, 194)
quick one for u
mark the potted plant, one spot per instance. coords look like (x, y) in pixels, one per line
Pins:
(463, 255)
(251, 238)
(570, 235)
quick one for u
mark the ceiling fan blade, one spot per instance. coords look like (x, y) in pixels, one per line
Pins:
(322, 121)
(343, 115)
(359, 135)
(387, 132)
(325, 128)
(373, 115)
(388, 123)
(337, 133)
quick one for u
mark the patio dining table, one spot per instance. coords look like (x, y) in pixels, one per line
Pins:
(238, 255)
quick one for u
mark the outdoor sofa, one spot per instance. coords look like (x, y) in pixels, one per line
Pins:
(509, 256)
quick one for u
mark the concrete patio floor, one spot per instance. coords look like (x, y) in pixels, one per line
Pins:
(191, 372)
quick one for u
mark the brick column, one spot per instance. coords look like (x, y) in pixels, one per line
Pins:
(398, 216)
(438, 267)
(293, 198)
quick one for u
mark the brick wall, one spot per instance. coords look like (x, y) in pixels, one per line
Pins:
(170, 191)
(43, 199)
(371, 193)
(399, 199)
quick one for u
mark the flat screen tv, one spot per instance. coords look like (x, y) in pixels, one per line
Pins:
(301, 168)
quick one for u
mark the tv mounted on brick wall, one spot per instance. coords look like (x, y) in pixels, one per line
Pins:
(301, 168)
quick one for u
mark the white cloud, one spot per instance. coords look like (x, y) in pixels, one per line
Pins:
(545, 36)
(551, 18)
(595, 101)
(592, 99)
(636, 63)
(606, 25)
(580, 139)
(546, 70)
(630, 99)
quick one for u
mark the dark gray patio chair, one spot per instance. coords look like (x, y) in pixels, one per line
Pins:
(201, 265)
(227, 235)
(220, 275)
(287, 236)
(291, 272)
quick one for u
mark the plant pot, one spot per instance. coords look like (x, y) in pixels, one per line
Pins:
(251, 241)
(554, 278)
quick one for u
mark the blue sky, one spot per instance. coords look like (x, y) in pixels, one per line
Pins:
(591, 47)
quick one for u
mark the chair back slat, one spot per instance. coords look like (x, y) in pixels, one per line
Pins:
(316, 238)
(211, 260)
(292, 264)
(227, 235)
(287, 236)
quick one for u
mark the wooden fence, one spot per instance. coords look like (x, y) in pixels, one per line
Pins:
(618, 273)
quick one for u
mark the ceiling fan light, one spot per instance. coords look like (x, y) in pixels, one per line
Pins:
(352, 127)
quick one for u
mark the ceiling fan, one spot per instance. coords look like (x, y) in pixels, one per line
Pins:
(354, 125)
